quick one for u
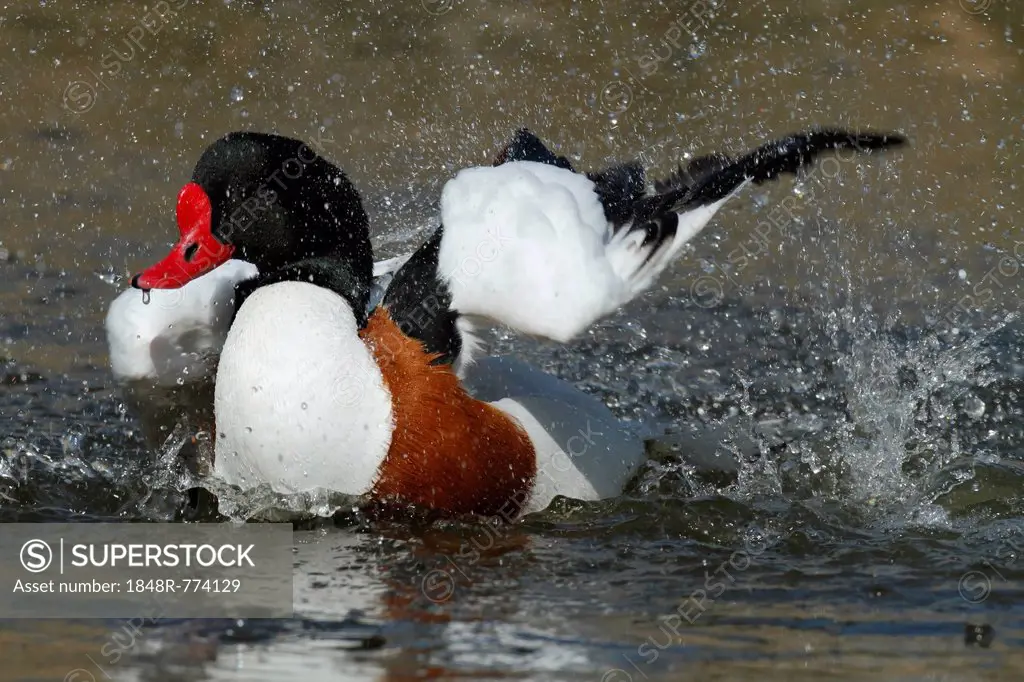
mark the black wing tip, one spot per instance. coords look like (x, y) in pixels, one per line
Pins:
(712, 177)
(520, 139)
(524, 137)
(692, 173)
(837, 138)
(795, 152)
(525, 146)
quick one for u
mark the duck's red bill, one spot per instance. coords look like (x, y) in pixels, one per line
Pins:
(197, 252)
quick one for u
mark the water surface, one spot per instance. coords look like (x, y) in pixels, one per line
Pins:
(832, 391)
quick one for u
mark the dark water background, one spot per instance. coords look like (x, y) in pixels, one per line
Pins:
(832, 390)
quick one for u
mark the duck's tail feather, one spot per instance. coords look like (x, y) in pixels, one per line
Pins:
(643, 243)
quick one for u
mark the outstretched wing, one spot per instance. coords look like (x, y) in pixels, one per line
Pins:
(532, 244)
(418, 297)
(549, 252)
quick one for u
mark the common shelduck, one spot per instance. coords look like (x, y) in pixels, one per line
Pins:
(318, 390)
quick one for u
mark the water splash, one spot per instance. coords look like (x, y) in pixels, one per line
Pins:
(262, 503)
(904, 395)
(164, 481)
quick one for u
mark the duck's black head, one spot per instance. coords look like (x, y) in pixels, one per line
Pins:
(271, 201)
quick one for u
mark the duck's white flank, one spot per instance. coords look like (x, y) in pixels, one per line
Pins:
(577, 457)
(389, 266)
(179, 332)
(300, 403)
(528, 245)
(583, 451)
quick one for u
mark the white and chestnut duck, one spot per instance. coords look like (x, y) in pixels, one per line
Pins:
(313, 391)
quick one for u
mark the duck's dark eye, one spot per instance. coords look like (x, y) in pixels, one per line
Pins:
(190, 252)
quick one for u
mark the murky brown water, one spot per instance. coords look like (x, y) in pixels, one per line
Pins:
(107, 107)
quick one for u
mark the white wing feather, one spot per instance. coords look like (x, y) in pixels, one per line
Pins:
(528, 245)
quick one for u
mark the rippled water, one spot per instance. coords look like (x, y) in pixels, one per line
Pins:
(829, 381)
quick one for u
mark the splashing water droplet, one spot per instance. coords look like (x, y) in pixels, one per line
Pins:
(237, 94)
(975, 407)
(72, 440)
(145, 297)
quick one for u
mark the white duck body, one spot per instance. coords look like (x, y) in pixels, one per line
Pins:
(301, 406)
(164, 353)
(300, 403)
